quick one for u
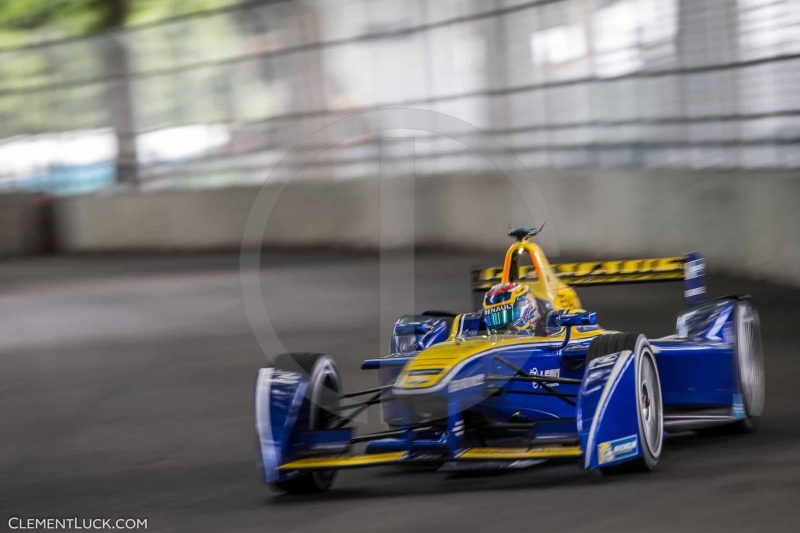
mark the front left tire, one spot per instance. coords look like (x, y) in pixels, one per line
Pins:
(650, 412)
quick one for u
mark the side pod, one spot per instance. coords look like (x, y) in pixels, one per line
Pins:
(279, 397)
(607, 411)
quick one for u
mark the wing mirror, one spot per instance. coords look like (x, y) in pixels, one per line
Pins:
(577, 319)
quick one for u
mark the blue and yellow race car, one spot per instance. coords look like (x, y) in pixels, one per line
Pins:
(528, 378)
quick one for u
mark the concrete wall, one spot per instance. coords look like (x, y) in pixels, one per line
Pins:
(747, 223)
(24, 224)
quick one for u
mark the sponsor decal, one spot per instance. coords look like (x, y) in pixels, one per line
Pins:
(666, 268)
(611, 271)
(606, 360)
(694, 269)
(415, 380)
(550, 373)
(466, 383)
(738, 407)
(499, 308)
(694, 292)
(615, 450)
(285, 377)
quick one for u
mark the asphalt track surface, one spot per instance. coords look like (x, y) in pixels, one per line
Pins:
(126, 390)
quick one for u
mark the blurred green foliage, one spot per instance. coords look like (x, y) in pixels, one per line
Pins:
(59, 87)
(35, 19)
(148, 11)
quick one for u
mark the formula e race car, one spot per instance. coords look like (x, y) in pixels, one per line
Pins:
(528, 378)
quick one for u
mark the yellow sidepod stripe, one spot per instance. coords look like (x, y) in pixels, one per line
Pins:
(550, 452)
(313, 463)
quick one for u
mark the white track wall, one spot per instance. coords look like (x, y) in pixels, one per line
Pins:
(24, 228)
(745, 223)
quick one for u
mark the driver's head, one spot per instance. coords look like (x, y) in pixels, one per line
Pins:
(510, 307)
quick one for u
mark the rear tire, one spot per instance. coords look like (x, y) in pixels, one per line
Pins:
(650, 414)
(321, 409)
(749, 365)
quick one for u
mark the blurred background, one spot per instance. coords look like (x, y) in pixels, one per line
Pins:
(603, 102)
(211, 93)
(144, 143)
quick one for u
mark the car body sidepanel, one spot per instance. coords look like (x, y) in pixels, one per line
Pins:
(461, 361)
(697, 365)
(695, 373)
(692, 373)
(517, 397)
(448, 356)
(537, 355)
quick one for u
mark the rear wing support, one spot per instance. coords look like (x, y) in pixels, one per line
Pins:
(691, 269)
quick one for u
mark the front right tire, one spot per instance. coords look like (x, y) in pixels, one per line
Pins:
(319, 411)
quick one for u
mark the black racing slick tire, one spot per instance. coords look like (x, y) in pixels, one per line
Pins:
(749, 371)
(749, 364)
(319, 411)
(650, 414)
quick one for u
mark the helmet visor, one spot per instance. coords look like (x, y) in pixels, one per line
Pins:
(499, 317)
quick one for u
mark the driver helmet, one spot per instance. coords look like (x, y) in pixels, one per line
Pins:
(510, 307)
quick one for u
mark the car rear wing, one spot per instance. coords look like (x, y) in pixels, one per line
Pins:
(689, 268)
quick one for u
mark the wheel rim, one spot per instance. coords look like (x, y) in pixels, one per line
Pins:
(649, 398)
(751, 360)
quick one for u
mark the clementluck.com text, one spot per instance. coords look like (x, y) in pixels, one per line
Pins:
(17, 523)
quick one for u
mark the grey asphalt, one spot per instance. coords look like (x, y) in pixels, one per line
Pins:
(126, 390)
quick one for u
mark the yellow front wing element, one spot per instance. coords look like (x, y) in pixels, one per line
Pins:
(500, 454)
(490, 454)
(314, 463)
